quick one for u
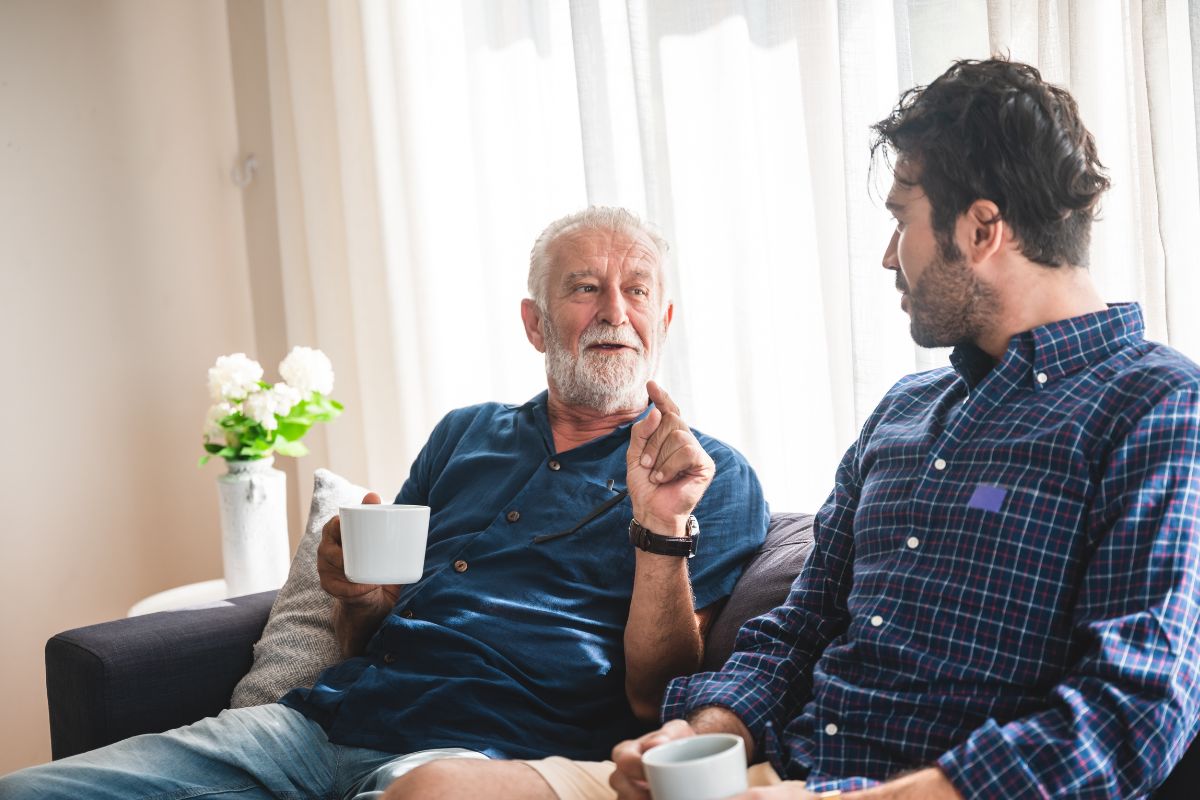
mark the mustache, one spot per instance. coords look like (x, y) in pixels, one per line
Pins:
(599, 332)
(901, 284)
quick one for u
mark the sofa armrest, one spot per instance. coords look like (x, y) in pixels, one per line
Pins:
(147, 674)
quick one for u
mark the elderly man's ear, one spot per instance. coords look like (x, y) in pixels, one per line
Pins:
(532, 317)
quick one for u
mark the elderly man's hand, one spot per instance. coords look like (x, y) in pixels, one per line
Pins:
(332, 570)
(666, 469)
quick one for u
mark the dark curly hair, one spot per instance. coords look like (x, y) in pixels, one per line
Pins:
(995, 130)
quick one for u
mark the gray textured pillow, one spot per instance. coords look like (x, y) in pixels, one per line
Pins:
(298, 641)
(764, 583)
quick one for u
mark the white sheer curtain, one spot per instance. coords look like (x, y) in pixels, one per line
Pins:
(421, 146)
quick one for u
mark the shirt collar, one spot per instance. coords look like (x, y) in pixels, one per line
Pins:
(1060, 348)
(538, 406)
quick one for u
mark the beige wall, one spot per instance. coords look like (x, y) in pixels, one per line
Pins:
(123, 266)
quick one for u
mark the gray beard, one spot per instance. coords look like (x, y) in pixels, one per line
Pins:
(604, 383)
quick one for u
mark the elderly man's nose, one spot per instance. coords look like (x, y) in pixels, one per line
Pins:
(612, 307)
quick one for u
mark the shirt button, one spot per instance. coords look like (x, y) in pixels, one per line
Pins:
(939, 464)
(831, 729)
(460, 566)
(388, 658)
(876, 620)
(554, 465)
(513, 516)
(1042, 377)
(913, 542)
(407, 613)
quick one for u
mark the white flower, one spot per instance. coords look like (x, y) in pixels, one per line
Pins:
(233, 377)
(307, 370)
(260, 407)
(212, 423)
(285, 398)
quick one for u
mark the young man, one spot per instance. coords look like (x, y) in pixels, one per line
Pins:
(553, 608)
(1003, 599)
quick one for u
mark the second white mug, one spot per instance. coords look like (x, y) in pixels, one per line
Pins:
(711, 766)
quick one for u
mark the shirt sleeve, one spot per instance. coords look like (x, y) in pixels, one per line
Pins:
(733, 520)
(769, 675)
(415, 490)
(1122, 718)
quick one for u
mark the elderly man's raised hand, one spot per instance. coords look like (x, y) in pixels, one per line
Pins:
(332, 571)
(666, 469)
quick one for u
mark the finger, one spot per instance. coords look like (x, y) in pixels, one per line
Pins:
(671, 422)
(672, 442)
(683, 457)
(627, 756)
(627, 789)
(371, 499)
(333, 530)
(660, 398)
(639, 433)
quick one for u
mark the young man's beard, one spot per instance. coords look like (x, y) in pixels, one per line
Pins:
(950, 305)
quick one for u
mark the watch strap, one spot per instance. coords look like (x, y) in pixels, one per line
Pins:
(647, 540)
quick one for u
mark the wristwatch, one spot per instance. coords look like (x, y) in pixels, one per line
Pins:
(682, 546)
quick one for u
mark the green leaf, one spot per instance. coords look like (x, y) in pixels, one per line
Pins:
(292, 430)
(227, 452)
(213, 448)
(287, 448)
(203, 461)
(256, 449)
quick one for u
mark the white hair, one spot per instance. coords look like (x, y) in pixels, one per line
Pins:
(605, 218)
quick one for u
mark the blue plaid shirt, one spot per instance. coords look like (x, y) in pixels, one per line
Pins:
(1005, 581)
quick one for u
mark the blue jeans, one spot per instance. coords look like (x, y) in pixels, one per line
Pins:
(261, 752)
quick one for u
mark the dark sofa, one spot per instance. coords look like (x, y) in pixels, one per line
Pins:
(152, 673)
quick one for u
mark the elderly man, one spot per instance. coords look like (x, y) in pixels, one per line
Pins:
(1003, 598)
(559, 595)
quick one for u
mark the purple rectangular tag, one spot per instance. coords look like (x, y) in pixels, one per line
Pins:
(987, 498)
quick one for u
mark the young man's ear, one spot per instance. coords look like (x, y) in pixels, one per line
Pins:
(532, 317)
(983, 231)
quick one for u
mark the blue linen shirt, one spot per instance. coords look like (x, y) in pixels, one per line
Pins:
(506, 645)
(1005, 581)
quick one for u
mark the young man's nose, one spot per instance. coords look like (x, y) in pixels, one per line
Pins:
(891, 259)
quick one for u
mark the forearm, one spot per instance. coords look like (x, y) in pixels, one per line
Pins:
(355, 624)
(926, 784)
(717, 719)
(662, 635)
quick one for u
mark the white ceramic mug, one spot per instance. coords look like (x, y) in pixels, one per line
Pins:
(384, 543)
(711, 766)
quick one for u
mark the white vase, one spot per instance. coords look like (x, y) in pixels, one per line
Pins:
(254, 540)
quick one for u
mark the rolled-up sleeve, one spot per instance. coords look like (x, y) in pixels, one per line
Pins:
(769, 675)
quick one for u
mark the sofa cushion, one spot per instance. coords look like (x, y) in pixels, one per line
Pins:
(298, 641)
(764, 583)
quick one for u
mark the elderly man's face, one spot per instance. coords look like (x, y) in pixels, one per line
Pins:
(606, 319)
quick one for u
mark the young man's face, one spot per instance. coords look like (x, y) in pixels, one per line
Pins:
(946, 302)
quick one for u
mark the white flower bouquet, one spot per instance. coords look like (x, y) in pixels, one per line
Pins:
(251, 419)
